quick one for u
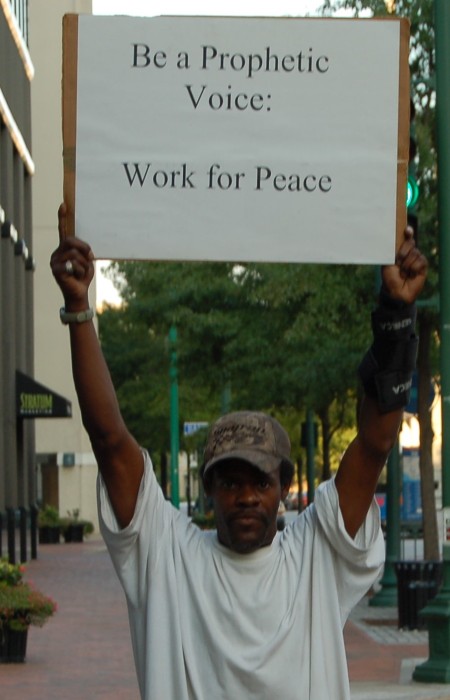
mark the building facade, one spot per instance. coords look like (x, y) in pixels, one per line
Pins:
(17, 440)
(66, 470)
(45, 455)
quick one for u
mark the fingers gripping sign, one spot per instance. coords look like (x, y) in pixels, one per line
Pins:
(72, 264)
(405, 279)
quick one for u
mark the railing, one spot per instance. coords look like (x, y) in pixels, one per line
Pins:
(18, 534)
(20, 9)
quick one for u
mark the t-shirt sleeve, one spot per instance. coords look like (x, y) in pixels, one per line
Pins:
(136, 547)
(358, 562)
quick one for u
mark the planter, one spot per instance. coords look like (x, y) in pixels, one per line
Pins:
(13, 645)
(74, 533)
(49, 534)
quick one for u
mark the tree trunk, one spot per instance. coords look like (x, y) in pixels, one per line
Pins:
(430, 530)
(326, 440)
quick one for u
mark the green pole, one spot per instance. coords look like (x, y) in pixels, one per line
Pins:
(437, 613)
(387, 595)
(174, 419)
(226, 398)
(442, 32)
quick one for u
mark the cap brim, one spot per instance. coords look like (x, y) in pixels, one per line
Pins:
(262, 461)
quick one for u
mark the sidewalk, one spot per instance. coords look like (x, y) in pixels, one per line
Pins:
(382, 658)
(85, 650)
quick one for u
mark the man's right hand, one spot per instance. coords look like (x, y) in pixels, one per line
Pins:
(72, 264)
(118, 455)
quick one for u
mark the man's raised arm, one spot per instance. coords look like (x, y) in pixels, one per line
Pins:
(386, 373)
(118, 455)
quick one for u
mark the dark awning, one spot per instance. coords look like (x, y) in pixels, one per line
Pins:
(34, 400)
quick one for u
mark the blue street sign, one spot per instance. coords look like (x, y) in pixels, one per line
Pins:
(191, 428)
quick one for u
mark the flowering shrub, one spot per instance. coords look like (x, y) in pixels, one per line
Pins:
(11, 574)
(22, 606)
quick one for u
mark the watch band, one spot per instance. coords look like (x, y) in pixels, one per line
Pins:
(75, 316)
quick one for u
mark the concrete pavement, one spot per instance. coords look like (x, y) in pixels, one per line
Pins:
(85, 651)
(382, 658)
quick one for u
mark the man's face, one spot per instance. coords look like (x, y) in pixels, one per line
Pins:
(246, 503)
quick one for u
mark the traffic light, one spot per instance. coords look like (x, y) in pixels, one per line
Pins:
(412, 190)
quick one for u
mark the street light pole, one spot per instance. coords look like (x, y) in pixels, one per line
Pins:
(442, 31)
(437, 613)
(387, 595)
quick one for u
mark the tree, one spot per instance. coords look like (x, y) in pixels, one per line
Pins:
(284, 337)
(422, 69)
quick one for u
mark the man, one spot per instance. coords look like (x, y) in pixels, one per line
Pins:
(246, 612)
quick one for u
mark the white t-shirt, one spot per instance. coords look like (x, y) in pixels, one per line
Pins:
(209, 624)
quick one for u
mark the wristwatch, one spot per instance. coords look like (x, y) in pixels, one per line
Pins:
(75, 316)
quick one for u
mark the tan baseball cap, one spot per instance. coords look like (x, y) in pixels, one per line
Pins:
(251, 436)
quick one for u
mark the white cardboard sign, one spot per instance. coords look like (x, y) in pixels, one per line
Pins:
(246, 139)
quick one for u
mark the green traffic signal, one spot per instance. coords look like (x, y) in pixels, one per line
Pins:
(412, 193)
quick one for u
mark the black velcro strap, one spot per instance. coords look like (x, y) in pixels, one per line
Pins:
(386, 369)
(390, 387)
(400, 355)
(394, 324)
(393, 390)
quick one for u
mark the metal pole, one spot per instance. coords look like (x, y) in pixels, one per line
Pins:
(437, 613)
(174, 419)
(226, 398)
(11, 525)
(442, 33)
(387, 595)
(33, 531)
(23, 533)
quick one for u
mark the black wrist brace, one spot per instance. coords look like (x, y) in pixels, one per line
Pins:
(386, 369)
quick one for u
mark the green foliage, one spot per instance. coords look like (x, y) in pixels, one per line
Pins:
(73, 518)
(48, 517)
(285, 338)
(205, 522)
(22, 606)
(422, 61)
(10, 574)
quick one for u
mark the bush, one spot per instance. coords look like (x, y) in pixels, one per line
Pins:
(205, 522)
(48, 517)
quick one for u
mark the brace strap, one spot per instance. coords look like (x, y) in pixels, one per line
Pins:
(386, 369)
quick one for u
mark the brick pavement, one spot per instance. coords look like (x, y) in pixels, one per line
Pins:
(85, 650)
(382, 658)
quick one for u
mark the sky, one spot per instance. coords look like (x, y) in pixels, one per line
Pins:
(206, 7)
(261, 8)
